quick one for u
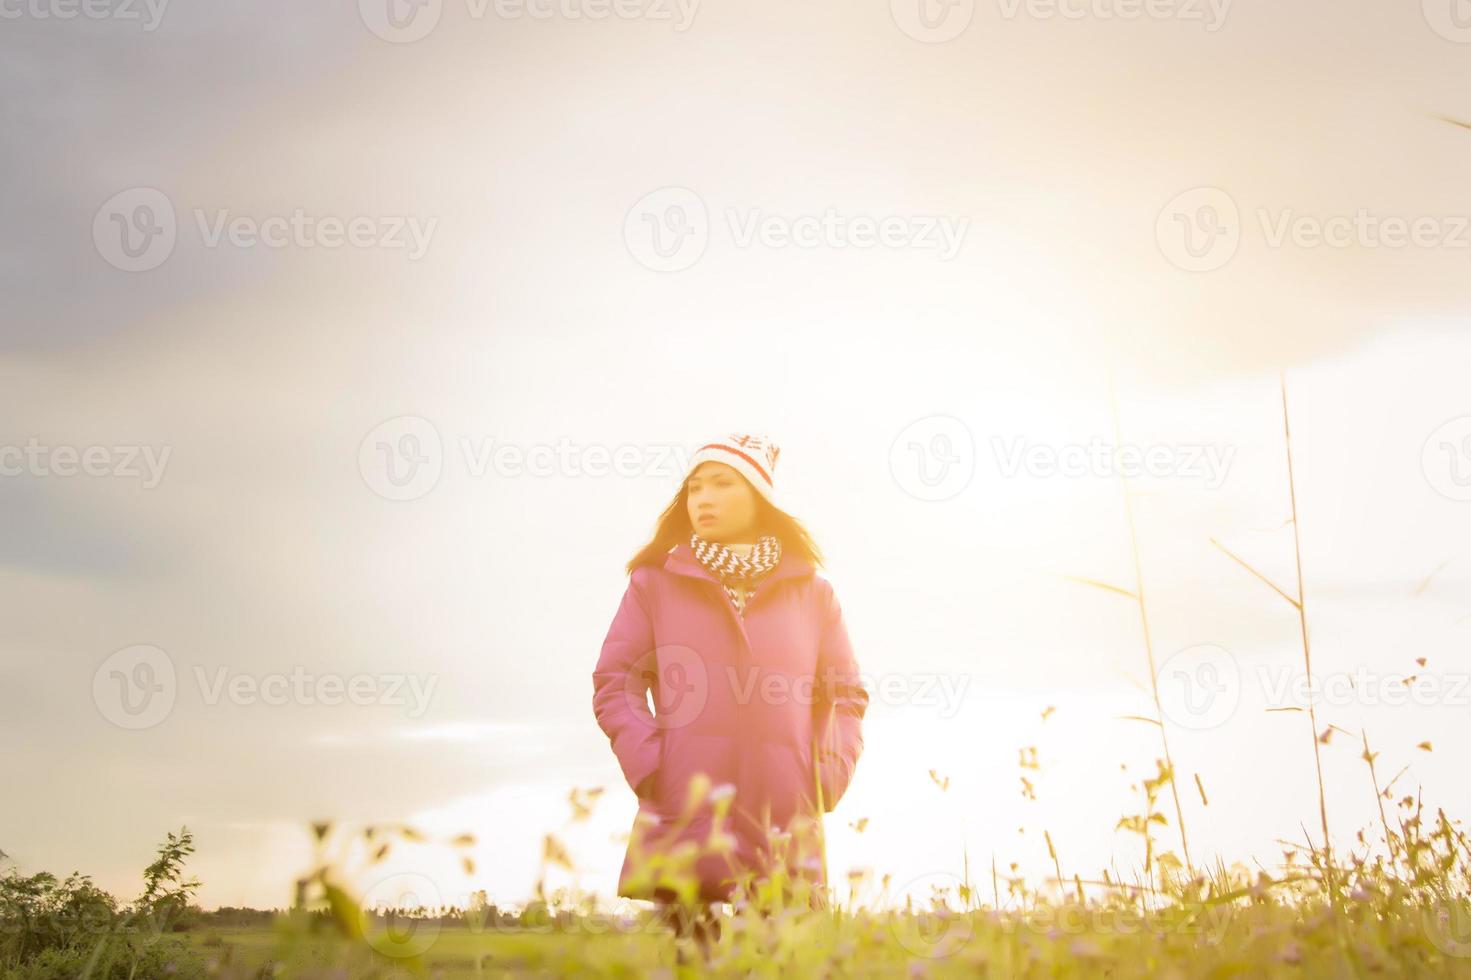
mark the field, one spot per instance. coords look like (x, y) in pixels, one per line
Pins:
(1396, 906)
(1376, 934)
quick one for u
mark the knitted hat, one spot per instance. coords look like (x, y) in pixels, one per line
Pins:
(752, 456)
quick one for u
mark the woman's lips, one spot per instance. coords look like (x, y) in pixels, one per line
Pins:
(707, 519)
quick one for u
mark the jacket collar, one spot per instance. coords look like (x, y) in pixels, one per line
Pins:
(682, 561)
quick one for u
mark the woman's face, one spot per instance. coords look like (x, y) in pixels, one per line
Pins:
(721, 503)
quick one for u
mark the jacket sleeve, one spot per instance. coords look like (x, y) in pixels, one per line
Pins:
(839, 703)
(624, 673)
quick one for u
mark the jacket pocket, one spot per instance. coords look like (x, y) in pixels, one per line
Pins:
(660, 793)
(647, 789)
(828, 766)
(657, 782)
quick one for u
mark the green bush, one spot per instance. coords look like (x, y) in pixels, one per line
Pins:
(122, 958)
(71, 928)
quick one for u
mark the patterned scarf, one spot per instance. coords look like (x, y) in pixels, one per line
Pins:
(738, 574)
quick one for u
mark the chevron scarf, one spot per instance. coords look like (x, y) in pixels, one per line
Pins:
(738, 574)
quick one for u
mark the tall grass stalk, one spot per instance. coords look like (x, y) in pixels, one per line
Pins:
(1302, 618)
(1138, 596)
(1300, 604)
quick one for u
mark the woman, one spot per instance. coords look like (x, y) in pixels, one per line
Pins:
(758, 706)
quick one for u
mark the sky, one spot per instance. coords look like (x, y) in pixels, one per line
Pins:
(323, 325)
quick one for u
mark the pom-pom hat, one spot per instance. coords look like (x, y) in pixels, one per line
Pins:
(752, 456)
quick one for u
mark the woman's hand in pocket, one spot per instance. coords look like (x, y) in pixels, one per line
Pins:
(646, 787)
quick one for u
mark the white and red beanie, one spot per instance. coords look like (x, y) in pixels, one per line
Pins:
(752, 456)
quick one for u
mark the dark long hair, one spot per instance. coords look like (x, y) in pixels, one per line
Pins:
(674, 526)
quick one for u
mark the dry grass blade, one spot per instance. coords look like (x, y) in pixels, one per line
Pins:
(1243, 564)
(1302, 618)
(1101, 585)
(1425, 583)
(1164, 735)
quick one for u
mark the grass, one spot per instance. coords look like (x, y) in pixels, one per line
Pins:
(1397, 905)
(1271, 927)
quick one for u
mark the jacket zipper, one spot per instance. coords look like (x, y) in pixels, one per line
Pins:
(740, 621)
(730, 605)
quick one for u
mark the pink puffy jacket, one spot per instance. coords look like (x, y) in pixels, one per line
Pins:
(768, 706)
